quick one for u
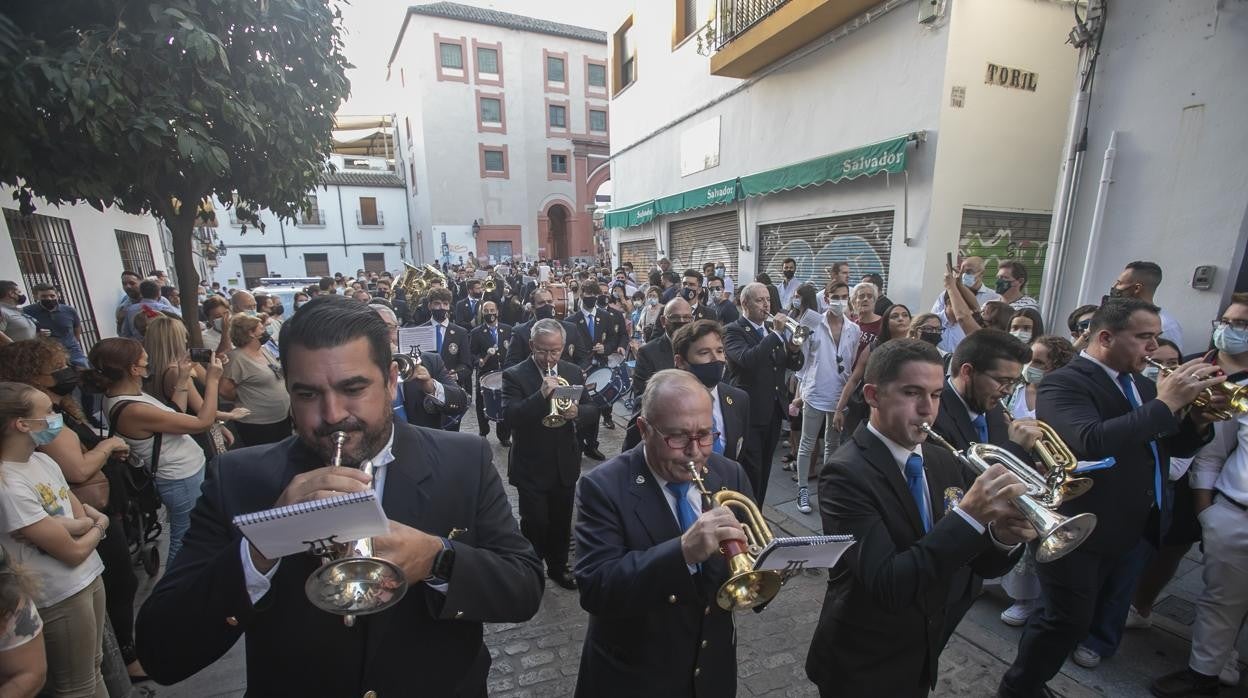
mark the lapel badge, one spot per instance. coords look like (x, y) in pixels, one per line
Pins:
(452, 348)
(641, 480)
(728, 399)
(571, 348)
(953, 495)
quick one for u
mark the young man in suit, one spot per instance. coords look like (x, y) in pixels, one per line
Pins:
(604, 330)
(757, 360)
(337, 364)
(544, 462)
(466, 309)
(487, 344)
(575, 350)
(692, 292)
(1102, 407)
(648, 561)
(920, 519)
(699, 348)
(450, 342)
(430, 395)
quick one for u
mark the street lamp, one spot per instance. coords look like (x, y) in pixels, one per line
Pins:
(476, 227)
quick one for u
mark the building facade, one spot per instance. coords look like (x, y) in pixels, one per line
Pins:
(882, 134)
(503, 120)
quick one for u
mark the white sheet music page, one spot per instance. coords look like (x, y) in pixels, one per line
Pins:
(300, 527)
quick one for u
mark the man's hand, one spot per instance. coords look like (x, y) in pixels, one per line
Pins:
(599, 348)
(1025, 432)
(704, 537)
(328, 481)
(571, 412)
(549, 383)
(409, 548)
(1181, 386)
(778, 322)
(1012, 530)
(991, 496)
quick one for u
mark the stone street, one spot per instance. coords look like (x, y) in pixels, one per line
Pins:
(540, 657)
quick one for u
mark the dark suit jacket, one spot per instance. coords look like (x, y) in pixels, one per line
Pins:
(734, 406)
(705, 311)
(540, 458)
(881, 629)
(479, 343)
(652, 357)
(954, 424)
(438, 481)
(609, 329)
(1089, 412)
(464, 315)
(427, 413)
(757, 366)
(455, 348)
(654, 628)
(575, 349)
(727, 311)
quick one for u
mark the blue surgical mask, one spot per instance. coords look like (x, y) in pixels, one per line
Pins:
(1230, 340)
(1032, 374)
(968, 280)
(48, 434)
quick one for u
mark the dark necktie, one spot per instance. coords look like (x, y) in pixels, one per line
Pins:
(761, 332)
(1124, 380)
(494, 335)
(914, 480)
(439, 340)
(981, 427)
(685, 512)
(589, 321)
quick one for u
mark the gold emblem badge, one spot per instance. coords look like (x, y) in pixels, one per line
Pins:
(728, 399)
(953, 495)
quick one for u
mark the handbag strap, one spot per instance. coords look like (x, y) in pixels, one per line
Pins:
(115, 413)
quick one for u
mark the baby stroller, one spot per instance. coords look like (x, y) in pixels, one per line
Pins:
(141, 512)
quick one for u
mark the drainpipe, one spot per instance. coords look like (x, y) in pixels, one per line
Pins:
(342, 220)
(1098, 214)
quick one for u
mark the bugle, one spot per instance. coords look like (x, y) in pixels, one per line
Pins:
(1236, 396)
(799, 331)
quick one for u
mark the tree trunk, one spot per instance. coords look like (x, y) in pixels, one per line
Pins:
(183, 228)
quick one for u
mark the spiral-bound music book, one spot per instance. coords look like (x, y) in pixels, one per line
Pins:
(301, 527)
(803, 552)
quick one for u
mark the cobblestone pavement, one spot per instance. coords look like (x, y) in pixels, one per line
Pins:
(541, 657)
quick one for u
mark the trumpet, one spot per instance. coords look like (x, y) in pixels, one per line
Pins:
(407, 363)
(800, 332)
(352, 581)
(1236, 395)
(1059, 483)
(555, 419)
(1058, 534)
(746, 587)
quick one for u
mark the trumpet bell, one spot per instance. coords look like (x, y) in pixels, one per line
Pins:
(356, 586)
(746, 588)
(1075, 487)
(1064, 535)
(554, 421)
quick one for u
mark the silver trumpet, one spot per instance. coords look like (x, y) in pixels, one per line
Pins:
(1058, 534)
(352, 581)
(800, 332)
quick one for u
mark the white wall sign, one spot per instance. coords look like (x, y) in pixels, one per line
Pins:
(699, 147)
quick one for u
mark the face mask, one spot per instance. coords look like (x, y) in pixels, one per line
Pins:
(720, 272)
(688, 294)
(217, 324)
(709, 373)
(49, 304)
(1032, 375)
(1230, 340)
(788, 273)
(476, 295)
(673, 326)
(65, 380)
(1004, 285)
(490, 318)
(604, 301)
(251, 313)
(439, 314)
(265, 337)
(543, 312)
(276, 310)
(837, 307)
(299, 304)
(968, 280)
(652, 302)
(932, 337)
(636, 305)
(1151, 373)
(589, 302)
(45, 436)
(1021, 335)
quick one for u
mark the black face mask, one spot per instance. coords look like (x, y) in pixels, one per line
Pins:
(788, 273)
(1114, 292)
(931, 337)
(688, 294)
(277, 310)
(709, 373)
(543, 312)
(490, 318)
(673, 326)
(439, 314)
(21, 299)
(1004, 285)
(66, 379)
(604, 301)
(589, 302)
(50, 304)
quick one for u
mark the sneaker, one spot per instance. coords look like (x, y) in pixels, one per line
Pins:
(1086, 658)
(803, 500)
(1184, 682)
(1137, 620)
(1017, 615)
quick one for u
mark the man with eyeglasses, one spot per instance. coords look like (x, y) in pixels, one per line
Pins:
(648, 562)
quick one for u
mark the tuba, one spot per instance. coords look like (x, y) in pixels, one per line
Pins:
(1236, 395)
(352, 581)
(555, 419)
(746, 587)
(1058, 534)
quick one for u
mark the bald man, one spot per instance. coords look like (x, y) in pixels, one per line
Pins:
(972, 277)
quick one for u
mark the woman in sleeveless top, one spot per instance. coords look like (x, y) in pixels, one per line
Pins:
(119, 369)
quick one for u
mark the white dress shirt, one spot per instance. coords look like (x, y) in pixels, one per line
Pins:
(1170, 328)
(787, 289)
(694, 497)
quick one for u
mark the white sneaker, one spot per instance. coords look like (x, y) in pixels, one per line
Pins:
(1086, 658)
(803, 500)
(1017, 615)
(1137, 620)
(1229, 676)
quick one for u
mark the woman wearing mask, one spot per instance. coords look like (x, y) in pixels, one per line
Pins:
(300, 299)
(94, 468)
(805, 299)
(52, 536)
(894, 322)
(648, 320)
(121, 367)
(216, 333)
(253, 379)
(1026, 324)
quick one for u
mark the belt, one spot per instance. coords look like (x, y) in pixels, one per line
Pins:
(1229, 500)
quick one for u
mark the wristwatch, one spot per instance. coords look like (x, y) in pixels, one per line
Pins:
(443, 563)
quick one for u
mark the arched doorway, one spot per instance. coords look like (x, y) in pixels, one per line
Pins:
(557, 235)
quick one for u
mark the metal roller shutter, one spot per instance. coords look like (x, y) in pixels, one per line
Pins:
(1004, 235)
(642, 254)
(865, 240)
(697, 241)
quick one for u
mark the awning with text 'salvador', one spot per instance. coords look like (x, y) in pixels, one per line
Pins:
(885, 156)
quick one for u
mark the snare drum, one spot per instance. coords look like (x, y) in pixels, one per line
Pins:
(604, 387)
(492, 395)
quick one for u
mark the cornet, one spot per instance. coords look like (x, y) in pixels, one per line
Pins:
(1236, 395)
(352, 581)
(799, 331)
(1058, 534)
(555, 419)
(746, 587)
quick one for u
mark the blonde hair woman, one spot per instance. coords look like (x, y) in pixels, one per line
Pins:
(166, 343)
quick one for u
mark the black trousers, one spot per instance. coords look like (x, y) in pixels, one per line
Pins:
(259, 434)
(483, 423)
(760, 446)
(120, 585)
(1070, 590)
(546, 521)
(587, 425)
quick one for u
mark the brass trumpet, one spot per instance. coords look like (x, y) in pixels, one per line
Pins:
(1058, 534)
(746, 587)
(799, 331)
(1059, 482)
(555, 419)
(407, 363)
(1236, 395)
(352, 581)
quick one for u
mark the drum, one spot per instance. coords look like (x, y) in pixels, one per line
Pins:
(622, 372)
(614, 360)
(492, 396)
(604, 387)
(559, 292)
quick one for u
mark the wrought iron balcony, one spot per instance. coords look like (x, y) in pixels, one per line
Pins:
(733, 18)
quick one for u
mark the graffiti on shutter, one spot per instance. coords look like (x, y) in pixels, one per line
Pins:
(865, 240)
(696, 241)
(1005, 235)
(642, 254)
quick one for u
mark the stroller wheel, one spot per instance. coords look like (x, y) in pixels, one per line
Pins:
(151, 561)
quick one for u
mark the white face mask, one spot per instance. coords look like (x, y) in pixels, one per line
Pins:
(1023, 336)
(1032, 374)
(837, 306)
(1151, 372)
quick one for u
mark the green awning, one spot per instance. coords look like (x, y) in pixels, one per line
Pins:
(888, 156)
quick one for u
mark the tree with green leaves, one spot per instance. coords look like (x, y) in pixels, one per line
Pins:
(149, 106)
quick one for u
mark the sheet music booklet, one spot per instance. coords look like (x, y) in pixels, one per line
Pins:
(803, 552)
(308, 525)
(422, 336)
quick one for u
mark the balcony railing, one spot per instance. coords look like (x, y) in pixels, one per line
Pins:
(361, 221)
(313, 218)
(732, 19)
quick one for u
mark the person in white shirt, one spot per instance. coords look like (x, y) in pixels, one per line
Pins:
(971, 276)
(1141, 279)
(788, 286)
(1011, 284)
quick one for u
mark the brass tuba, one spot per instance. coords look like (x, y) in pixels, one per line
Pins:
(1058, 534)
(352, 581)
(1236, 395)
(415, 282)
(746, 587)
(555, 419)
